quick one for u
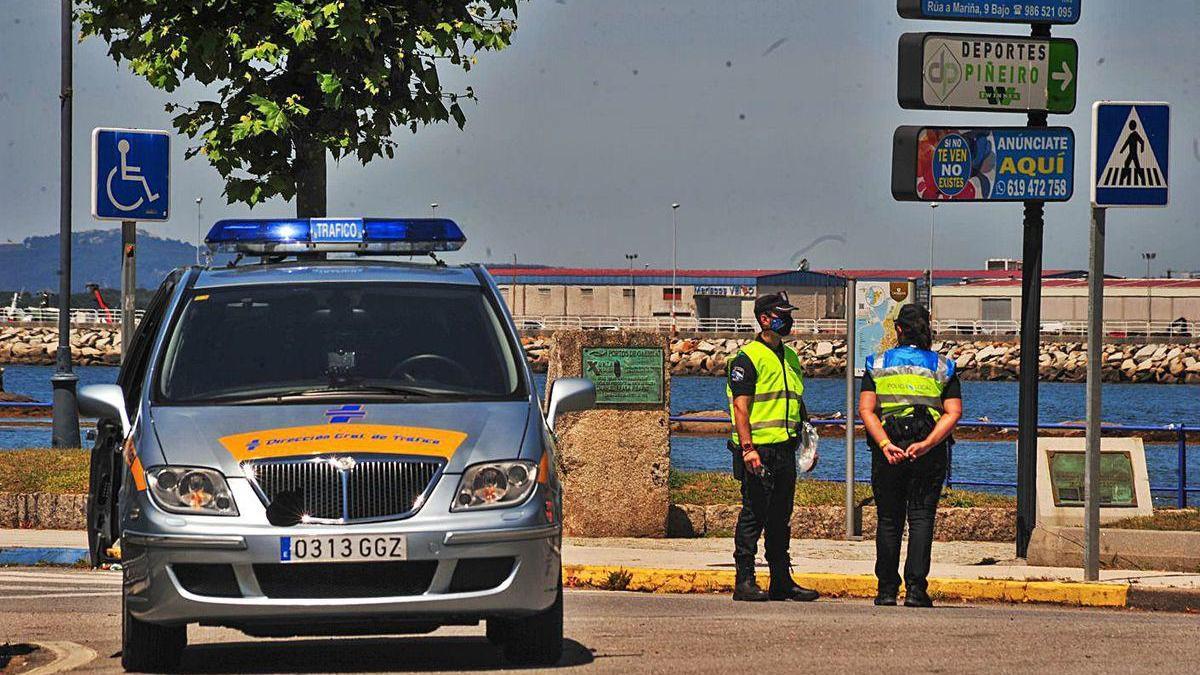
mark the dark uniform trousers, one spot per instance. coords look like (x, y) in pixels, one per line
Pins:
(910, 488)
(767, 503)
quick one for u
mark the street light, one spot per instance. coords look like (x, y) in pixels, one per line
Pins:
(1148, 256)
(433, 209)
(929, 272)
(632, 299)
(199, 229)
(65, 430)
(674, 261)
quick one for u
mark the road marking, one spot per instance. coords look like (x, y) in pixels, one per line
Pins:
(41, 596)
(67, 656)
(61, 577)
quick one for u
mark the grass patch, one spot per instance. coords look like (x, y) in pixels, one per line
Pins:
(712, 488)
(1174, 520)
(44, 470)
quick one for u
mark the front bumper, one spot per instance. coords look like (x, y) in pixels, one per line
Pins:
(154, 558)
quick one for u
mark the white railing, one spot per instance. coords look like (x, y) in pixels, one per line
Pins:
(682, 323)
(961, 327)
(49, 316)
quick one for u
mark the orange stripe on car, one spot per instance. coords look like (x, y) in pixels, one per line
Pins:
(319, 439)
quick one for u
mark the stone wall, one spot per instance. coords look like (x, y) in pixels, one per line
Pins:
(37, 346)
(976, 360)
(43, 511)
(829, 522)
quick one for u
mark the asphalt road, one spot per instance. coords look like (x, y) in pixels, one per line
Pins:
(610, 631)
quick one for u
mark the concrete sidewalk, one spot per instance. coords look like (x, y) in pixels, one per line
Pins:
(951, 560)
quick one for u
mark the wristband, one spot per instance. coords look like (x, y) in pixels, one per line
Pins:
(747, 449)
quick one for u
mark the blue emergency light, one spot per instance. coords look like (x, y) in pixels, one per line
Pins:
(289, 236)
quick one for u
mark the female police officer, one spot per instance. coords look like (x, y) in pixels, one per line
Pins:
(765, 392)
(911, 400)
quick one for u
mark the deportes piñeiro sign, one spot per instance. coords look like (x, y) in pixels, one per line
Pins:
(944, 71)
(983, 164)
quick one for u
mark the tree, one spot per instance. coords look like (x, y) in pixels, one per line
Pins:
(297, 79)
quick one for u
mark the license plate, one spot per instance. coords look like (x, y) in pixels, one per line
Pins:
(335, 230)
(348, 548)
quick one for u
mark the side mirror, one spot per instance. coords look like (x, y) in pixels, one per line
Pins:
(104, 401)
(570, 394)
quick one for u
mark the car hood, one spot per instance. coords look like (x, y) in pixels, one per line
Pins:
(224, 436)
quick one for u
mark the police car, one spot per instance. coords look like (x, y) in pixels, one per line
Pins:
(316, 444)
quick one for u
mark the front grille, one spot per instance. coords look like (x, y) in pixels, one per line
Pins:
(345, 580)
(347, 488)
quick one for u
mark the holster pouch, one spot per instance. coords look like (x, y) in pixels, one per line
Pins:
(904, 431)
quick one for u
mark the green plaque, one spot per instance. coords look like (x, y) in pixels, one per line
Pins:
(1116, 479)
(625, 374)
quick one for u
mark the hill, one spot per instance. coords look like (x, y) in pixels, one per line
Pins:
(32, 264)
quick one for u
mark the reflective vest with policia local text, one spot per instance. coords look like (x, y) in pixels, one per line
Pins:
(775, 413)
(906, 377)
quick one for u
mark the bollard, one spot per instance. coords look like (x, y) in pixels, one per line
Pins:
(1, 380)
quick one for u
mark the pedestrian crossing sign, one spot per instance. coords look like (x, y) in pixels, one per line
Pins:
(1130, 147)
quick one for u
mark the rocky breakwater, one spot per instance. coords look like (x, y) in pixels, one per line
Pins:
(37, 346)
(976, 360)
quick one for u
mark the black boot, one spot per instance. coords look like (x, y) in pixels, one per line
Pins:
(886, 597)
(783, 587)
(746, 588)
(917, 597)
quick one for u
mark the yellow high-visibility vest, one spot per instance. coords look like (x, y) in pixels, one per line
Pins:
(775, 413)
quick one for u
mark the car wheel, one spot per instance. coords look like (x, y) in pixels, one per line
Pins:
(537, 639)
(147, 647)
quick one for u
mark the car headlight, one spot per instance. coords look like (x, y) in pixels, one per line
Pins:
(184, 489)
(495, 485)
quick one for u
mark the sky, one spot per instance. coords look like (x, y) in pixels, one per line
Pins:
(768, 121)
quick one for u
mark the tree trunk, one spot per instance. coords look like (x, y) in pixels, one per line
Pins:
(310, 179)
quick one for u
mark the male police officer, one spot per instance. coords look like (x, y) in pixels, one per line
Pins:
(764, 389)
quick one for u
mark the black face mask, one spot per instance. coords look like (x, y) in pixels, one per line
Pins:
(781, 324)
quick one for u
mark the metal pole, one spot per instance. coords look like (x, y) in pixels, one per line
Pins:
(674, 262)
(929, 273)
(1031, 326)
(1095, 355)
(65, 431)
(1182, 494)
(851, 522)
(128, 283)
(199, 230)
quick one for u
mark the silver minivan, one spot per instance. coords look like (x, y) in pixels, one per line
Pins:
(326, 441)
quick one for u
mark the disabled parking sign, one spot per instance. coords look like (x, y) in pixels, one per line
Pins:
(131, 174)
(1130, 147)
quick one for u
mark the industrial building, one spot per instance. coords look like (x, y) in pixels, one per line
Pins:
(981, 300)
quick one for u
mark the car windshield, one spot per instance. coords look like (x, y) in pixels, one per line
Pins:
(324, 340)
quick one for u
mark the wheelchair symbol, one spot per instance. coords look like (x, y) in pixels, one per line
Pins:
(131, 174)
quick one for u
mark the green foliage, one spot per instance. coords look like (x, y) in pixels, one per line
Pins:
(44, 470)
(288, 75)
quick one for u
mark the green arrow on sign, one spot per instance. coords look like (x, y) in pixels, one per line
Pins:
(1064, 66)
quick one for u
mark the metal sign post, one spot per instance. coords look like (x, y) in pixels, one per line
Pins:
(1095, 354)
(1129, 168)
(128, 284)
(852, 529)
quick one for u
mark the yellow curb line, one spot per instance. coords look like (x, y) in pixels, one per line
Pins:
(848, 585)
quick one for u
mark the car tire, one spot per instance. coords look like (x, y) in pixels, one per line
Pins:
(147, 647)
(497, 631)
(538, 639)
